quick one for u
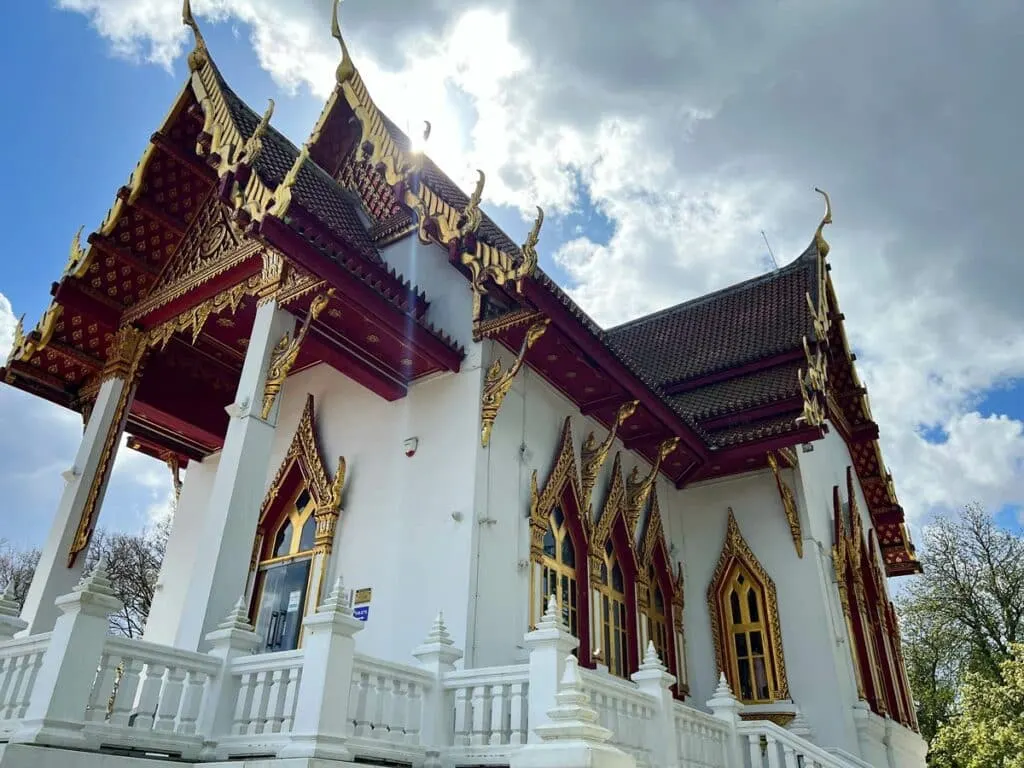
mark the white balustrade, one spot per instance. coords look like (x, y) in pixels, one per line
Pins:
(19, 664)
(266, 687)
(702, 739)
(386, 708)
(769, 746)
(491, 707)
(626, 711)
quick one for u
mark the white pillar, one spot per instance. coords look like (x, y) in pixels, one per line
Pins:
(654, 680)
(224, 544)
(321, 710)
(549, 645)
(86, 483)
(56, 709)
(727, 708)
(437, 655)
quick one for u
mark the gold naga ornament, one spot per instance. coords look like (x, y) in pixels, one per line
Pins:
(287, 351)
(637, 489)
(498, 383)
(593, 454)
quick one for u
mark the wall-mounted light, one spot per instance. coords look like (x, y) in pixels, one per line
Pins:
(410, 445)
(457, 516)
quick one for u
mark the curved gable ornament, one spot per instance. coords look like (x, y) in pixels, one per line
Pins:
(303, 456)
(734, 549)
(563, 476)
(614, 507)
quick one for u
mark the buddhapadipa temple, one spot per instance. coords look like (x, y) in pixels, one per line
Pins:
(430, 513)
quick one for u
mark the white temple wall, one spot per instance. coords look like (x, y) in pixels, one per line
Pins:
(397, 531)
(169, 614)
(697, 520)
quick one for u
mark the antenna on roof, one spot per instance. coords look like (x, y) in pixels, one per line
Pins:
(768, 245)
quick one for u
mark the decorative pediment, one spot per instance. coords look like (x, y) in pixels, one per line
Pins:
(654, 534)
(563, 478)
(303, 456)
(613, 509)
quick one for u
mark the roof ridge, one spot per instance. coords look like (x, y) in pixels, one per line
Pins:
(750, 282)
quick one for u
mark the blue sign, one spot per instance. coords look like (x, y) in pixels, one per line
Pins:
(361, 612)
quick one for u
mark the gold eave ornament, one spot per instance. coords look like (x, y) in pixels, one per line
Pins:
(498, 382)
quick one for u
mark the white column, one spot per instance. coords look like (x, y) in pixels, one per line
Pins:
(654, 680)
(321, 710)
(549, 645)
(56, 709)
(437, 655)
(85, 485)
(224, 546)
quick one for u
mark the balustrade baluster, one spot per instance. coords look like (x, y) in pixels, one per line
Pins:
(399, 708)
(499, 706)
(479, 715)
(26, 681)
(127, 687)
(414, 714)
(170, 700)
(754, 743)
(378, 723)
(275, 701)
(101, 693)
(290, 692)
(241, 719)
(463, 718)
(773, 751)
(790, 757)
(8, 687)
(191, 701)
(517, 713)
(258, 705)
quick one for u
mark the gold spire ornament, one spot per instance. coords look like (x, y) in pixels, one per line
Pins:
(638, 490)
(529, 249)
(199, 54)
(346, 69)
(77, 264)
(287, 351)
(498, 383)
(819, 239)
(471, 216)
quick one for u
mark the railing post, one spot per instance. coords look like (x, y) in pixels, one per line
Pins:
(437, 655)
(10, 621)
(653, 679)
(57, 704)
(549, 645)
(570, 736)
(233, 637)
(725, 707)
(321, 711)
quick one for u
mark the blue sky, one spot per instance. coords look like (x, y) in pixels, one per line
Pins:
(657, 187)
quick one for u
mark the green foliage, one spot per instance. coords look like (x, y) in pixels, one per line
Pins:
(988, 732)
(961, 623)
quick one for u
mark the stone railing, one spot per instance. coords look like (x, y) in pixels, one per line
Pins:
(79, 688)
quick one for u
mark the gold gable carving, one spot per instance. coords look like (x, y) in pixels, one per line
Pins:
(736, 548)
(326, 493)
(613, 508)
(563, 475)
(209, 239)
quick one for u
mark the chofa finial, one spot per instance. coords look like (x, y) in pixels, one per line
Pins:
(198, 56)
(346, 69)
(819, 238)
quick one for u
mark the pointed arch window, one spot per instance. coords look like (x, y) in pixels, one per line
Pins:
(611, 588)
(294, 538)
(658, 621)
(558, 545)
(745, 623)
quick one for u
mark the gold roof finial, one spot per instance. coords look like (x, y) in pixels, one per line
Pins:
(529, 251)
(346, 69)
(197, 58)
(819, 238)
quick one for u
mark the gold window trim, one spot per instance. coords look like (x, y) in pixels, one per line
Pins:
(326, 493)
(736, 549)
(563, 476)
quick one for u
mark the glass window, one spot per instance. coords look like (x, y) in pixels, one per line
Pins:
(751, 659)
(614, 625)
(558, 570)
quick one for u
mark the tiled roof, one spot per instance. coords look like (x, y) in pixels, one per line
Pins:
(753, 320)
(740, 393)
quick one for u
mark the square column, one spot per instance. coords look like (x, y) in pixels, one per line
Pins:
(228, 529)
(62, 560)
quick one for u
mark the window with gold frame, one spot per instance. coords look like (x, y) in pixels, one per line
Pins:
(658, 625)
(282, 588)
(614, 618)
(745, 623)
(558, 569)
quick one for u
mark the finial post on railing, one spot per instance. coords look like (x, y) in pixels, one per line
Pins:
(571, 737)
(653, 679)
(726, 707)
(232, 638)
(321, 711)
(437, 654)
(65, 678)
(549, 645)
(11, 622)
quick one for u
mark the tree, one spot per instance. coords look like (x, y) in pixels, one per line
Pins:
(133, 565)
(16, 568)
(989, 730)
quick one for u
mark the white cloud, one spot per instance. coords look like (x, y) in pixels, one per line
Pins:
(692, 128)
(8, 322)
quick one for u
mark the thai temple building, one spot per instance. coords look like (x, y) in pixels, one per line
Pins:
(432, 514)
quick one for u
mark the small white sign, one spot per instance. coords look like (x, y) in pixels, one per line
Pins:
(293, 601)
